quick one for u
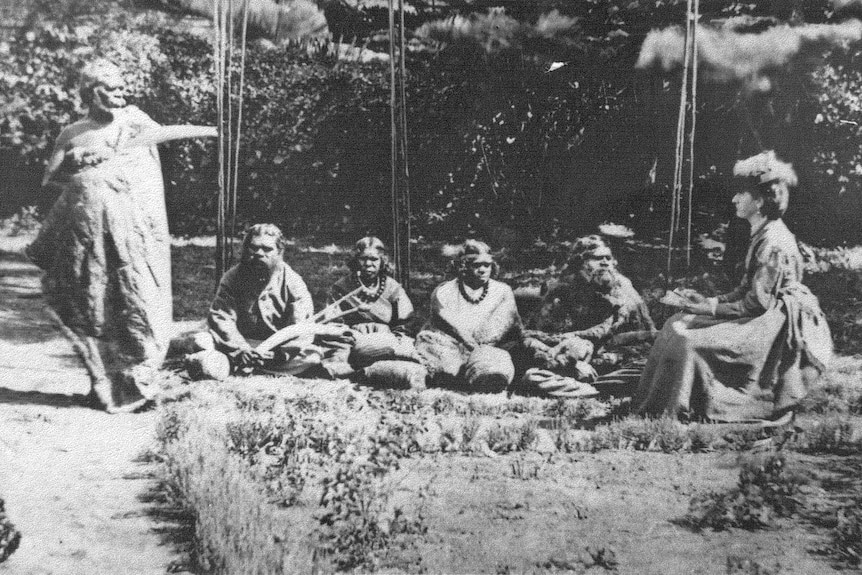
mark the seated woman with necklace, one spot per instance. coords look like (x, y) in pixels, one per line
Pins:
(473, 320)
(379, 341)
(753, 353)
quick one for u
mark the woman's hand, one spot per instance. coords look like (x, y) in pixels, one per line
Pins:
(699, 308)
(691, 295)
(696, 297)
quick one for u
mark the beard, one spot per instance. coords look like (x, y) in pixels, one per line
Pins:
(257, 268)
(603, 279)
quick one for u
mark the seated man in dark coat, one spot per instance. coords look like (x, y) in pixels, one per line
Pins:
(255, 299)
(583, 317)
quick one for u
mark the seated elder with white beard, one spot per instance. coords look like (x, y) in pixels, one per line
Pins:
(256, 298)
(581, 315)
(474, 322)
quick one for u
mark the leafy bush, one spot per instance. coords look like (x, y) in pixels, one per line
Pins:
(498, 145)
(10, 537)
(26, 221)
(847, 536)
(766, 490)
(357, 528)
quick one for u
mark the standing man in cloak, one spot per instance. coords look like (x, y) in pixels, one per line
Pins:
(105, 246)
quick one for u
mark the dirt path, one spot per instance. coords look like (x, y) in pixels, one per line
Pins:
(72, 477)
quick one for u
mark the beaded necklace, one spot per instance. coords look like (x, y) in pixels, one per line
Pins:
(367, 297)
(467, 296)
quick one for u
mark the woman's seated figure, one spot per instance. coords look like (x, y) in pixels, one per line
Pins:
(751, 353)
(379, 339)
(473, 321)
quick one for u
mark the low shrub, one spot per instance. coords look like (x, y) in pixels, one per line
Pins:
(767, 489)
(737, 565)
(835, 434)
(847, 535)
(663, 434)
(10, 537)
(357, 526)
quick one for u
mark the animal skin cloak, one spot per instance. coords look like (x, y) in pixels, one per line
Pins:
(105, 250)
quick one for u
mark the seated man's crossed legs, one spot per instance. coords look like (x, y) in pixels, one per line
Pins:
(292, 358)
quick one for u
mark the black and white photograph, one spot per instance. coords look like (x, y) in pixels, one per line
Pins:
(430, 286)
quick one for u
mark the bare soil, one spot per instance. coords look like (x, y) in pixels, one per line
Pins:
(560, 513)
(73, 478)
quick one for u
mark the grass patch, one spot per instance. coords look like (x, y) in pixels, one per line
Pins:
(833, 434)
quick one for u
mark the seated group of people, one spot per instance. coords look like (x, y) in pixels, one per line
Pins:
(262, 320)
(749, 354)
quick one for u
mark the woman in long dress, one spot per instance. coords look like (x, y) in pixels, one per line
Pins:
(754, 352)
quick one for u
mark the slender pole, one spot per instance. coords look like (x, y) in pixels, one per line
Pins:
(393, 133)
(229, 26)
(239, 120)
(680, 136)
(219, 78)
(691, 134)
(406, 264)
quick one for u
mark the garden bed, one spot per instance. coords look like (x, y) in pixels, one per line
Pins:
(289, 475)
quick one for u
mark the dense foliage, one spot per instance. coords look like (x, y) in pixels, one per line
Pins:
(504, 141)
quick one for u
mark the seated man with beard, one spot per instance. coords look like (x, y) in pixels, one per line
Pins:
(581, 318)
(256, 298)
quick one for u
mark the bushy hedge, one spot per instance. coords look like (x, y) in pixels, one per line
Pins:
(498, 145)
(315, 132)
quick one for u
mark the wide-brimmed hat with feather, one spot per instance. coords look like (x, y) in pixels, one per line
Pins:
(766, 167)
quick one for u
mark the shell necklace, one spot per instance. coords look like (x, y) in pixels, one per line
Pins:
(468, 297)
(368, 293)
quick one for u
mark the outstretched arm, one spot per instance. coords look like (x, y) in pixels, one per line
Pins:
(152, 135)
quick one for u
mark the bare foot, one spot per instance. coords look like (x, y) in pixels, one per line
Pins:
(102, 395)
(134, 406)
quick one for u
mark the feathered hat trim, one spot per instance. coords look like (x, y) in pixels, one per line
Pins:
(766, 167)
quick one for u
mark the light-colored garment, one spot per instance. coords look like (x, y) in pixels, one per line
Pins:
(105, 249)
(245, 309)
(493, 323)
(767, 344)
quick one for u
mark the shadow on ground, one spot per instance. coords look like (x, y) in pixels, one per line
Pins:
(12, 396)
